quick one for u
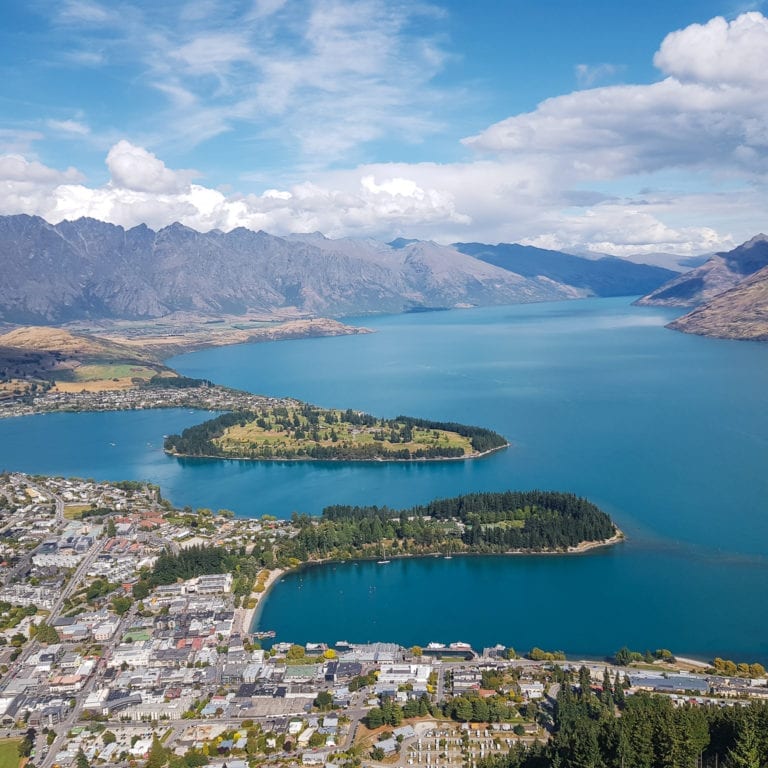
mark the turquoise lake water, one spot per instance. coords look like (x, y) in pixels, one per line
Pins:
(666, 432)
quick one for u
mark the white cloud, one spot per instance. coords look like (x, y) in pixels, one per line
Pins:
(85, 58)
(322, 81)
(199, 9)
(134, 168)
(84, 12)
(477, 201)
(17, 168)
(710, 112)
(614, 131)
(718, 52)
(212, 53)
(589, 74)
(623, 231)
(29, 186)
(565, 175)
(73, 127)
(18, 141)
(181, 97)
(262, 8)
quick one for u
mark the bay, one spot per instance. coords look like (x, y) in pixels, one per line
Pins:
(666, 432)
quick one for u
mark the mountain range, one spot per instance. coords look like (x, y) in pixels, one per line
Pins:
(89, 269)
(607, 276)
(729, 293)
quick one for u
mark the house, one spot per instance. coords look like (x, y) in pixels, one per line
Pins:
(532, 690)
(229, 763)
(330, 721)
(141, 748)
(104, 631)
(389, 746)
(295, 727)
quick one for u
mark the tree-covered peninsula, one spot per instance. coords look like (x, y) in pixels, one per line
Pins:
(512, 521)
(295, 430)
(509, 522)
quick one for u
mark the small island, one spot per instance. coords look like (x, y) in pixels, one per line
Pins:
(299, 431)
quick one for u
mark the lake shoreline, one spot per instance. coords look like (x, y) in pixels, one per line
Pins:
(309, 459)
(276, 575)
(244, 617)
(582, 389)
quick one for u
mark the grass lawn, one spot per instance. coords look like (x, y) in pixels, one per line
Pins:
(9, 754)
(75, 511)
(113, 371)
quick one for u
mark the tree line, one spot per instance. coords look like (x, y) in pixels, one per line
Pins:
(198, 439)
(479, 522)
(600, 727)
(465, 708)
(482, 439)
(546, 521)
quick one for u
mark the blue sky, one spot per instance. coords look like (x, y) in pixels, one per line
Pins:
(597, 126)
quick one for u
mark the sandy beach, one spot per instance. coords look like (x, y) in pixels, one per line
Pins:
(244, 616)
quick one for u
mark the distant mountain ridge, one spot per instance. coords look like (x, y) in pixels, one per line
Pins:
(607, 276)
(719, 273)
(89, 269)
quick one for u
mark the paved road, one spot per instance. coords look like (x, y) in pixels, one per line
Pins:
(77, 576)
(440, 669)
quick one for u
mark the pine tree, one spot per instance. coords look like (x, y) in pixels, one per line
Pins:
(607, 695)
(745, 753)
(158, 755)
(618, 692)
(585, 681)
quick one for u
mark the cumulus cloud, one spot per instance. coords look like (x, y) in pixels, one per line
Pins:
(480, 200)
(18, 168)
(710, 112)
(29, 186)
(718, 52)
(610, 132)
(565, 175)
(134, 168)
(627, 231)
